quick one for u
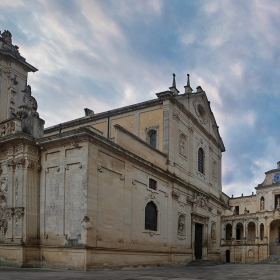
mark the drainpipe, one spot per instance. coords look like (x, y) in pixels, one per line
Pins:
(108, 128)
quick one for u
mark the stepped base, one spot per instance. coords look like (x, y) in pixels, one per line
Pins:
(204, 262)
(272, 259)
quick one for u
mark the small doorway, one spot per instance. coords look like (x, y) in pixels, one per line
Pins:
(198, 241)
(228, 256)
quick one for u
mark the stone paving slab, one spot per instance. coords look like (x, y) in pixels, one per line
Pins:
(219, 272)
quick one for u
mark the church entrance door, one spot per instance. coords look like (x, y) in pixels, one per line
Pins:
(198, 241)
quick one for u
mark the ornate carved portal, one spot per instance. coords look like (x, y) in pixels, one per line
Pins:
(199, 233)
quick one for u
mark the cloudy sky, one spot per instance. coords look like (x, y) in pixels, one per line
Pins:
(106, 54)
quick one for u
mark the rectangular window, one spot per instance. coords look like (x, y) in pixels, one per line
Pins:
(152, 184)
(236, 210)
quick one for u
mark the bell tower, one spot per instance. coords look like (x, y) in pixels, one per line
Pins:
(20, 126)
(18, 109)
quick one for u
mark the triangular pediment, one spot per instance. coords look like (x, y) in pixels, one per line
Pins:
(199, 107)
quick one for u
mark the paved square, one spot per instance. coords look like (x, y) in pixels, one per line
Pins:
(218, 272)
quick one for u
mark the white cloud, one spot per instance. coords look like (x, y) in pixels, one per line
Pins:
(103, 27)
(258, 168)
(129, 95)
(210, 7)
(11, 3)
(155, 5)
(189, 39)
(211, 91)
(249, 118)
(237, 69)
(215, 41)
(67, 113)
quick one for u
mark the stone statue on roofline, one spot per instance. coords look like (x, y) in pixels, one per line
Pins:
(6, 36)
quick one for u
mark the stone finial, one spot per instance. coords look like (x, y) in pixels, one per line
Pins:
(188, 88)
(173, 87)
(278, 164)
(88, 112)
(174, 81)
(199, 89)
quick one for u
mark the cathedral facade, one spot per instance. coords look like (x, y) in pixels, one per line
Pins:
(135, 185)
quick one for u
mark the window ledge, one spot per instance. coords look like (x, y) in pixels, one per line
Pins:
(201, 175)
(151, 232)
(152, 190)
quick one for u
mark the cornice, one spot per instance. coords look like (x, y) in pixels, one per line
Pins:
(81, 133)
(260, 186)
(87, 119)
(272, 171)
(19, 59)
(241, 197)
(16, 137)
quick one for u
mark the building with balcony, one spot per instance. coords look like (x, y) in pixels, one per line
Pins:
(251, 228)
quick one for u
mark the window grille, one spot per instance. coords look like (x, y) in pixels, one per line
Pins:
(151, 216)
(152, 184)
(200, 160)
(153, 139)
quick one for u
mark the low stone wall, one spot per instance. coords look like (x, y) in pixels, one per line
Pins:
(245, 253)
(274, 249)
(84, 259)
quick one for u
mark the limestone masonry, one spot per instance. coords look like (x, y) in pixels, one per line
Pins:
(136, 185)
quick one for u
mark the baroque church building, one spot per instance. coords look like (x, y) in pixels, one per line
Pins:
(135, 185)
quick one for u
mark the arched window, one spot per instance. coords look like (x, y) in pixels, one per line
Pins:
(151, 216)
(153, 138)
(200, 160)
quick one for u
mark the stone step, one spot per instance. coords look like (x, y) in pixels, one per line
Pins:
(274, 256)
(204, 262)
(272, 259)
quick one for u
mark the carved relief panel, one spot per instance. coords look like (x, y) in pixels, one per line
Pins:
(183, 144)
(213, 232)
